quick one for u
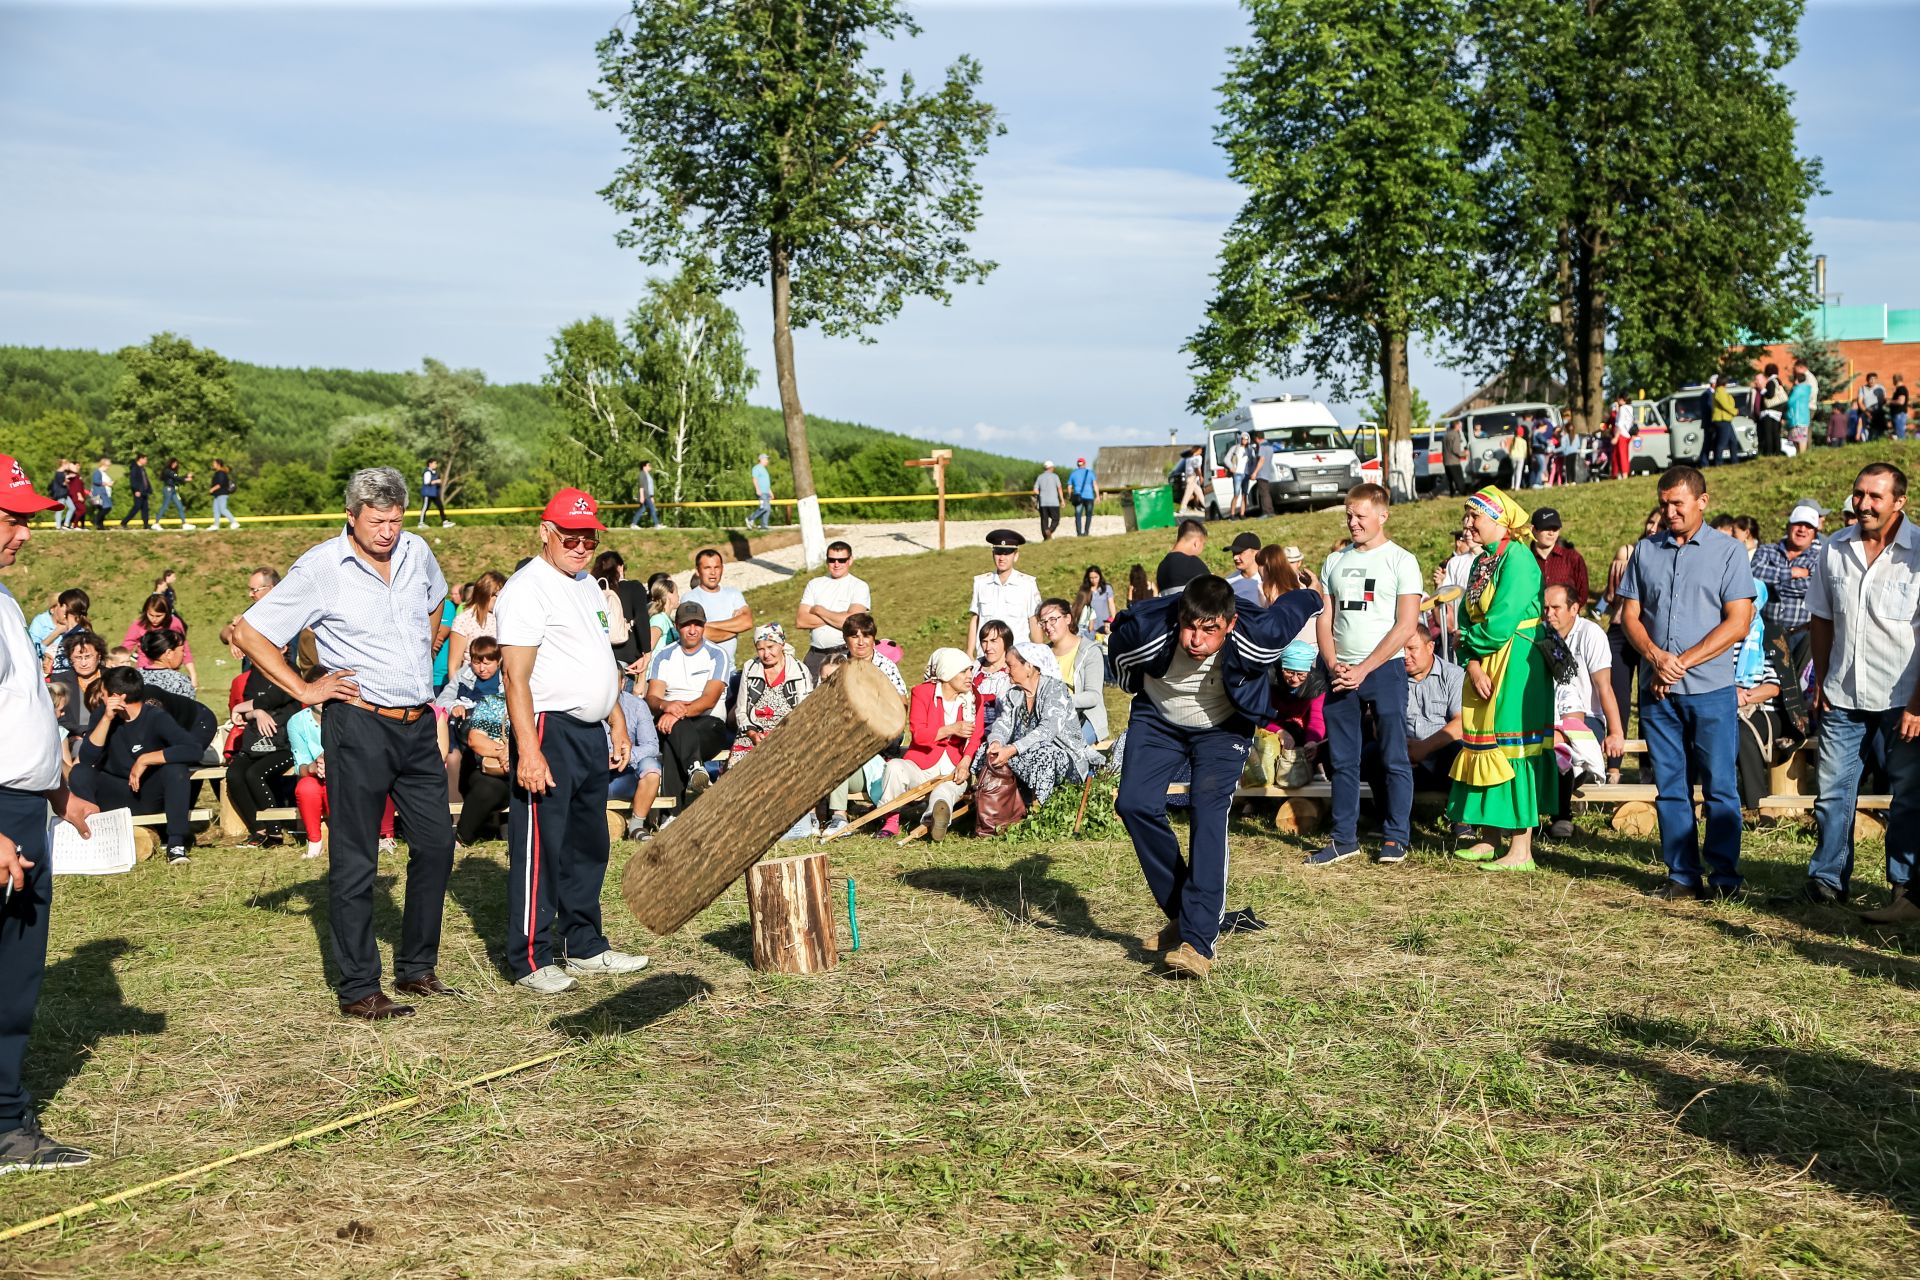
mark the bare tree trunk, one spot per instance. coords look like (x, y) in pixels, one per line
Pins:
(1396, 383)
(1591, 410)
(1572, 330)
(813, 537)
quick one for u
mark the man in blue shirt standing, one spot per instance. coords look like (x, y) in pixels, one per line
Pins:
(1084, 488)
(1687, 603)
(762, 486)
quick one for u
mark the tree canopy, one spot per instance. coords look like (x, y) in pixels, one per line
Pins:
(176, 400)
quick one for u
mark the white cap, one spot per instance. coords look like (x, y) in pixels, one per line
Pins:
(1806, 513)
(1048, 464)
(1293, 555)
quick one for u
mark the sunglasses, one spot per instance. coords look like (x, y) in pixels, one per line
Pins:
(839, 559)
(574, 541)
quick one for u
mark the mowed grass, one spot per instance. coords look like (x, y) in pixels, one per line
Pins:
(1417, 1071)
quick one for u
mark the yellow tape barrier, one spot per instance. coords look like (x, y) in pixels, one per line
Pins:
(305, 1135)
(668, 506)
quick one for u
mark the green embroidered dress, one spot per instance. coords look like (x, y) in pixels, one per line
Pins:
(1505, 776)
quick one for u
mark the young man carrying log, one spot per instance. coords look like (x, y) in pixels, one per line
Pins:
(1200, 668)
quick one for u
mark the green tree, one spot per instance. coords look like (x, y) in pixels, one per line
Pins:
(1823, 360)
(447, 417)
(176, 400)
(369, 440)
(1642, 185)
(758, 136)
(1419, 412)
(292, 488)
(40, 444)
(1345, 123)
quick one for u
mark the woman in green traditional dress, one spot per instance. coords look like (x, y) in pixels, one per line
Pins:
(1505, 777)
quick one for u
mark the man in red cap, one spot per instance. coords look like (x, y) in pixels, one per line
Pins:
(567, 736)
(29, 780)
(1084, 488)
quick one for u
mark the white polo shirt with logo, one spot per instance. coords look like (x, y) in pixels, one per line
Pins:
(563, 619)
(687, 675)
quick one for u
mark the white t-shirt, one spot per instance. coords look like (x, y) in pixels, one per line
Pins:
(840, 595)
(1365, 587)
(1192, 694)
(720, 605)
(1588, 644)
(563, 619)
(687, 675)
(32, 759)
(1623, 422)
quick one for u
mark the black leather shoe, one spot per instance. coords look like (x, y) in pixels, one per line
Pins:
(427, 984)
(376, 1008)
(1674, 891)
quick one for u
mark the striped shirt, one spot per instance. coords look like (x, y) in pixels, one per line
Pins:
(381, 630)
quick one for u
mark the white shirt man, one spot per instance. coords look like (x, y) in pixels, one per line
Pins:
(1006, 593)
(685, 683)
(825, 605)
(725, 609)
(1864, 597)
(563, 708)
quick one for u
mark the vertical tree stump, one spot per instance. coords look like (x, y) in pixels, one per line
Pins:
(791, 914)
(1636, 818)
(230, 824)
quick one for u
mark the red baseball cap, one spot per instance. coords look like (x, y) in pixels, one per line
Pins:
(573, 509)
(17, 494)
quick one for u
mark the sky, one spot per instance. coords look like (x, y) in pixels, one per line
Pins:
(363, 184)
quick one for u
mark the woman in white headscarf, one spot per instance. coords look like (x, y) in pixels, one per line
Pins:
(943, 720)
(1038, 732)
(772, 684)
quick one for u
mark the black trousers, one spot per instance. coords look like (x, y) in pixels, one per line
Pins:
(369, 758)
(250, 783)
(166, 788)
(23, 947)
(1769, 436)
(482, 795)
(689, 746)
(1049, 521)
(138, 508)
(435, 503)
(557, 849)
(100, 516)
(1457, 481)
(1626, 663)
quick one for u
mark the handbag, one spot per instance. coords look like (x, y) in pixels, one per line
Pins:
(997, 802)
(1560, 661)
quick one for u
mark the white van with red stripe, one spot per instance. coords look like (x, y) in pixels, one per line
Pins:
(1310, 457)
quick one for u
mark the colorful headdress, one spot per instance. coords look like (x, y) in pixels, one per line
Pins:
(1499, 508)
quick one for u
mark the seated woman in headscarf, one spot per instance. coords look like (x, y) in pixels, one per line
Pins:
(772, 684)
(1038, 734)
(1286, 751)
(943, 720)
(1505, 778)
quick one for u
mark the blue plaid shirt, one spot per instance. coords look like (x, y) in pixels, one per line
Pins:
(1786, 594)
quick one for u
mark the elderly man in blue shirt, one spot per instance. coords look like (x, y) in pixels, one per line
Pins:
(371, 597)
(1687, 603)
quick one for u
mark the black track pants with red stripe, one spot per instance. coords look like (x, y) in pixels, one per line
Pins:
(557, 849)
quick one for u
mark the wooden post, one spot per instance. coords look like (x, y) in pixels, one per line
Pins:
(230, 824)
(673, 876)
(938, 461)
(791, 914)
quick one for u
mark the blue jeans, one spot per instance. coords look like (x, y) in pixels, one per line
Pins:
(170, 500)
(1083, 515)
(1847, 739)
(1385, 691)
(1693, 739)
(220, 512)
(764, 515)
(1191, 890)
(645, 508)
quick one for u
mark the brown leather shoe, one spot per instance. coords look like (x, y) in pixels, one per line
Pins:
(427, 984)
(376, 1008)
(1166, 940)
(1902, 910)
(1184, 962)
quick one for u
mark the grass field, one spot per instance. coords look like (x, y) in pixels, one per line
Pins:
(1423, 1070)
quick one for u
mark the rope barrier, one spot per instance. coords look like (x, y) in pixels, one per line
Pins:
(305, 1135)
(673, 506)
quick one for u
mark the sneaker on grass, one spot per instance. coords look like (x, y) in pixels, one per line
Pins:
(550, 980)
(1390, 853)
(835, 825)
(607, 962)
(177, 855)
(1329, 855)
(388, 845)
(29, 1150)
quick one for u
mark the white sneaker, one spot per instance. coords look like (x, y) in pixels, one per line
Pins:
(446, 524)
(185, 525)
(236, 524)
(606, 962)
(314, 849)
(388, 845)
(805, 829)
(550, 981)
(835, 825)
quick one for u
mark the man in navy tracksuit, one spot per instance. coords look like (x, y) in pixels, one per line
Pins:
(1200, 667)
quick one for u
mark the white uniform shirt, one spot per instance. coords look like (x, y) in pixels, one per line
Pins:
(1013, 602)
(563, 619)
(1588, 644)
(31, 761)
(841, 595)
(1872, 611)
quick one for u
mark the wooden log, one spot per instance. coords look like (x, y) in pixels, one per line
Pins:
(673, 876)
(1796, 776)
(1299, 816)
(1636, 818)
(231, 825)
(616, 826)
(146, 843)
(1869, 826)
(790, 912)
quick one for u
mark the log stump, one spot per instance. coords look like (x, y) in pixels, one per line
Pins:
(1868, 825)
(146, 843)
(790, 912)
(1636, 818)
(1299, 816)
(671, 878)
(1796, 776)
(231, 825)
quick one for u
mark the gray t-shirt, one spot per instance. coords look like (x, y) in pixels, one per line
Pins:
(1434, 701)
(1192, 694)
(1048, 487)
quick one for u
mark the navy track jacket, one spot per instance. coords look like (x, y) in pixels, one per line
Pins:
(1146, 635)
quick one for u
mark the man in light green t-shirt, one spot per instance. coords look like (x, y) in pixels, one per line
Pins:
(1372, 591)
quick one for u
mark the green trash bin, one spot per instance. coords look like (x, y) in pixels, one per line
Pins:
(1153, 508)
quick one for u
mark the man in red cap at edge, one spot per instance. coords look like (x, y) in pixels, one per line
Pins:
(29, 782)
(566, 733)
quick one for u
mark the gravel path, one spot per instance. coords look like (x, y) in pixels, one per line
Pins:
(874, 540)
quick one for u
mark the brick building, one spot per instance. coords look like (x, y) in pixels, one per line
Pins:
(1878, 340)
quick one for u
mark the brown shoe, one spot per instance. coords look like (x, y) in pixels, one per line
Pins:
(1184, 962)
(1166, 940)
(376, 1008)
(427, 984)
(1903, 910)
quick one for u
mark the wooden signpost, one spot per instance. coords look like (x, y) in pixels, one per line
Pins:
(939, 461)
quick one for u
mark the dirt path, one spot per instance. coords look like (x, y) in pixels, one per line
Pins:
(910, 539)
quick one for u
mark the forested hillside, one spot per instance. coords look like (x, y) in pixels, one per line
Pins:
(309, 426)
